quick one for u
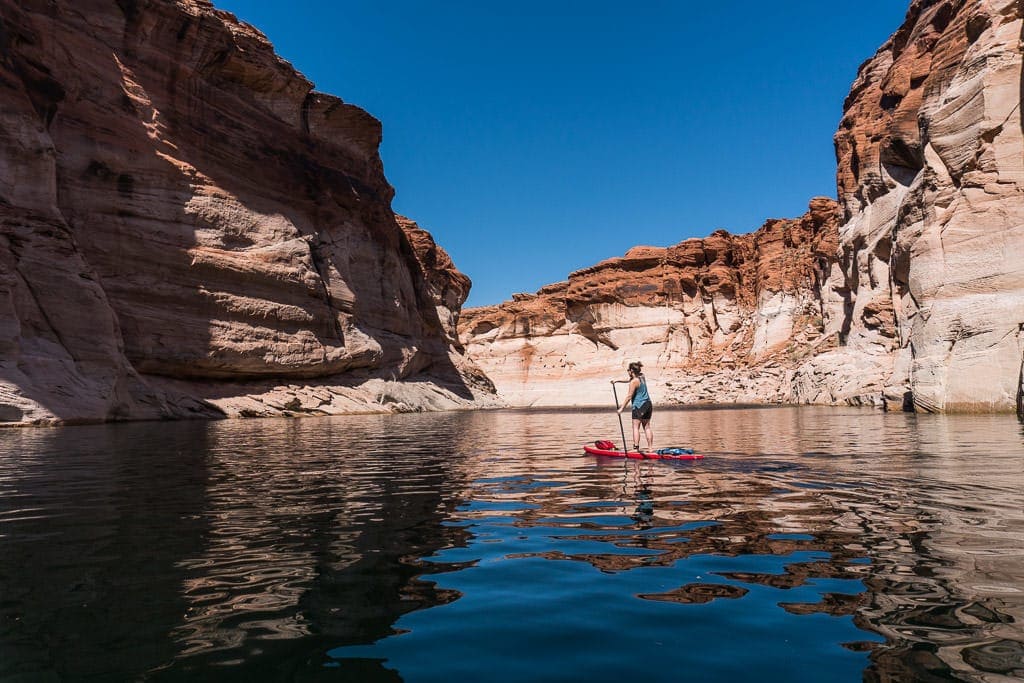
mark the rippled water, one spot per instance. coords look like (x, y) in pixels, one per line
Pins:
(811, 544)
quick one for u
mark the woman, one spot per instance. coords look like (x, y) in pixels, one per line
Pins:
(638, 397)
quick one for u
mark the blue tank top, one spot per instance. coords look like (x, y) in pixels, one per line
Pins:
(641, 395)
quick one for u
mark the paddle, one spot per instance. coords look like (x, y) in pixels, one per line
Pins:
(625, 448)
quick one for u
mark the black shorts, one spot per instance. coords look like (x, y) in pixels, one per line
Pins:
(643, 411)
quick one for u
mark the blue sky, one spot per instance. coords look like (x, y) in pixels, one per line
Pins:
(537, 137)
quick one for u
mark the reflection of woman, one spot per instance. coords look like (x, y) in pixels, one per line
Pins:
(643, 515)
(638, 397)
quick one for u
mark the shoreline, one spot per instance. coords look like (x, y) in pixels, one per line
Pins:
(468, 406)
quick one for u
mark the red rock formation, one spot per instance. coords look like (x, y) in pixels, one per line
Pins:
(177, 202)
(684, 311)
(444, 286)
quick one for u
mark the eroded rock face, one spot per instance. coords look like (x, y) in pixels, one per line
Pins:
(188, 228)
(931, 180)
(698, 315)
(915, 302)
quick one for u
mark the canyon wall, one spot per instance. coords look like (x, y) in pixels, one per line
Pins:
(908, 295)
(187, 228)
(724, 318)
(931, 180)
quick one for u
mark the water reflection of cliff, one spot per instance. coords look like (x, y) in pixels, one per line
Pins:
(207, 552)
(93, 524)
(306, 546)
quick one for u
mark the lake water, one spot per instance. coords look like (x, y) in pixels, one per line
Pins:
(811, 544)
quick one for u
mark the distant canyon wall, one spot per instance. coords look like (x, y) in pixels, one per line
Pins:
(908, 294)
(187, 228)
(724, 318)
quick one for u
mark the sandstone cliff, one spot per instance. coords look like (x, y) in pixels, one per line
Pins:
(724, 318)
(912, 297)
(188, 228)
(931, 180)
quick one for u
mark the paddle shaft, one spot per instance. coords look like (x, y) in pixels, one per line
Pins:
(625, 448)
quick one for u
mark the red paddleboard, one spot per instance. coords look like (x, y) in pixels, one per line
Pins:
(594, 450)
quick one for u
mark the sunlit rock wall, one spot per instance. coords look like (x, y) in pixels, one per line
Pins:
(727, 317)
(931, 181)
(188, 228)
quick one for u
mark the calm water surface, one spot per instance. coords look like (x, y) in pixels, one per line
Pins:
(810, 545)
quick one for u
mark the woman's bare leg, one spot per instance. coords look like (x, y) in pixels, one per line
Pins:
(636, 435)
(648, 432)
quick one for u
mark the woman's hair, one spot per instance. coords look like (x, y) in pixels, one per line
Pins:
(636, 368)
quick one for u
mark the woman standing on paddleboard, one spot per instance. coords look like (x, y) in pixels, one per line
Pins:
(638, 397)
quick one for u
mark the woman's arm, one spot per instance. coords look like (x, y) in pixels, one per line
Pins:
(634, 384)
